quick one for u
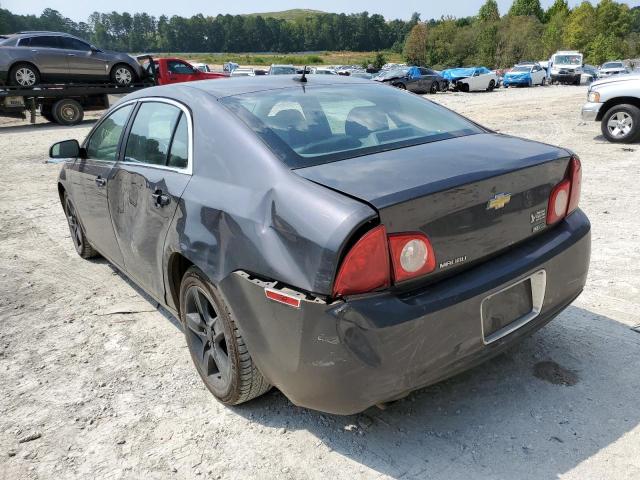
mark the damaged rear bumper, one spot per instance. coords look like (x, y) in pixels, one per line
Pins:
(347, 356)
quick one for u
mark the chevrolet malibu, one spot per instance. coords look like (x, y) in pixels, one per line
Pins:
(341, 240)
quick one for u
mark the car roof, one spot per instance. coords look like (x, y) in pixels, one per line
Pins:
(41, 32)
(240, 85)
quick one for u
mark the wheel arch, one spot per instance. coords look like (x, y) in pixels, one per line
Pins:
(616, 101)
(61, 192)
(177, 265)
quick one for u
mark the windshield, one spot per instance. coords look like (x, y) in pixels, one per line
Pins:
(568, 59)
(521, 68)
(314, 125)
(283, 71)
(613, 65)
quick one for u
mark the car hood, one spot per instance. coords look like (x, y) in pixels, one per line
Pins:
(629, 77)
(398, 175)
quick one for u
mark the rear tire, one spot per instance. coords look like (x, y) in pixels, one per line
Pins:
(24, 75)
(67, 112)
(401, 86)
(217, 348)
(621, 124)
(543, 82)
(78, 237)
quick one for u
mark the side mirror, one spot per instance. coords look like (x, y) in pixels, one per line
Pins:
(66, 149)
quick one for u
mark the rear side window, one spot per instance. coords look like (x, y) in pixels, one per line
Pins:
(179, 153)
(151, 133)
(103, 143)
(314, 125)
(44, 41)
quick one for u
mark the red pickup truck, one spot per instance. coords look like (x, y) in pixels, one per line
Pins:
(164, 71)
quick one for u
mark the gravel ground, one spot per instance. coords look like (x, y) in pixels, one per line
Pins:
(96, 382)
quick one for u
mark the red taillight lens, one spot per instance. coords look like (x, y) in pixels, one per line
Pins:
(366, 266)
(412, 255)
(565, 196)
(575, 175)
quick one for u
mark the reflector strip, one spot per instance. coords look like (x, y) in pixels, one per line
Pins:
(280, 297)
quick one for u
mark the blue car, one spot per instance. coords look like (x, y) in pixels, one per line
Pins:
(526, 75)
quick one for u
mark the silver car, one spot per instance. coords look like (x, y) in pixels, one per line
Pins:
(30, 58)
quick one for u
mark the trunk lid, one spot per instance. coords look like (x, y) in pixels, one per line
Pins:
(472, 196)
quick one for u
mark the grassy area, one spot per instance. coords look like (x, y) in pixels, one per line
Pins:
(266, 59)
(292, 15)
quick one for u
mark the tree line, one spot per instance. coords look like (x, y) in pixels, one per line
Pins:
(608, 30)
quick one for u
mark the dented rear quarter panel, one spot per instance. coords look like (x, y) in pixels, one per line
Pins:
(243, 209)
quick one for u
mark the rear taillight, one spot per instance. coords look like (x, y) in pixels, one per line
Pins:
(411, 255)
(366, 266)
(565, 196)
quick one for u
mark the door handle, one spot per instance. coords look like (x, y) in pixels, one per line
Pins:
(160, 199)
(101, 182)
(71, 54)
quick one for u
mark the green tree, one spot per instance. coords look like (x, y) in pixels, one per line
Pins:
(558, 7)
(526, 8)
(581, 26)
(518, 39)
(553, 38)
(379, 61)
(489, 12)
(415, 48)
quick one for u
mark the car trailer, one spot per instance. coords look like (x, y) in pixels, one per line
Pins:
(62, 104)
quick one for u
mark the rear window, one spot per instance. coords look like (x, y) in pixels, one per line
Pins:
(313, 125)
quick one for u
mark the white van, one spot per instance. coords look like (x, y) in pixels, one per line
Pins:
(566, 67)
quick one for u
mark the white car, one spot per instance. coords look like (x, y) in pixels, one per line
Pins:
(612, 68)
(243, 72)
(203, 67)
(473, 79)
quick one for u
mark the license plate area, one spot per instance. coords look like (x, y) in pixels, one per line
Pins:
(512, 307)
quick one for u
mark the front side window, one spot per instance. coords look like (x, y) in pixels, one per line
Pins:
(315, 125)
(74, 44)
(104, 141)
(151, 134)
(179, 67)
(44, 42)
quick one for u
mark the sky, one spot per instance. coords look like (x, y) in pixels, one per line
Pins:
(80, 10)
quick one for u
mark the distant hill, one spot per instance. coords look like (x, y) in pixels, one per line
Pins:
(290, 15)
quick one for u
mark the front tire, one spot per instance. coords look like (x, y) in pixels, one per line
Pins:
(492, 85)
(621, 124)
(78, 237)
(24, 75)
(435, 87)
(217, 348)
(123, 75)
(401, 86)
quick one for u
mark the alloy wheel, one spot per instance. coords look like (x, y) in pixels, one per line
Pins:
(620, 124)
(74, 226)
(206, 334)
(123, 76)
(25, 77)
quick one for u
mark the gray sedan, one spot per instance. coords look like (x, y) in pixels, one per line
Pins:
(29, 58)
(343, 241)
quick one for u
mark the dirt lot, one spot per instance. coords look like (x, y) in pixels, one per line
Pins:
(96, 382)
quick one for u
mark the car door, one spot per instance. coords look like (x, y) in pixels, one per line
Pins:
(179, 71)
(50, 58)
(537, 75)
(146, 187)
(91, 176)
(426, 79)
(83, 62)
